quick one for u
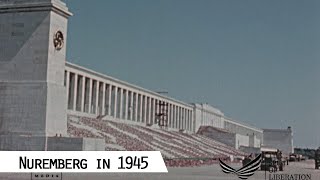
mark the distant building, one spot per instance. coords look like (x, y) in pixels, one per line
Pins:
(206, 115)
(211, 122)
(279, 138)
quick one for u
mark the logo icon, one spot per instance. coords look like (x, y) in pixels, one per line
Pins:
(246, 171)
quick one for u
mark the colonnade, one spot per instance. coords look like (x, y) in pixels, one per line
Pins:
(94, 93)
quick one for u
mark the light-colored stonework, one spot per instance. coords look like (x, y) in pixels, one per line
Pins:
(32, 64)
(33, 98)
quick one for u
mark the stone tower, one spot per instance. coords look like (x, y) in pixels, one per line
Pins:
(32, 65)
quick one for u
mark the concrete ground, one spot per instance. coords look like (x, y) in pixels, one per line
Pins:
(199, 173)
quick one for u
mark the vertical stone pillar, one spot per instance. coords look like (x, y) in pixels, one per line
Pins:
(149, 111)
(109, 98)
(97, 97)
(103, 99)
(83, 80)
(90, 96)
(140, 109)
(75, 88)
(185, 119)
(174, 116)
(115, 102)
(153, 111)
(179, 118)
(121, 104)
(131, 106)
(71, 91)
(182, 118)
(192, 122)
(156, 118)
(169, 115)
(126, 110)
(136, 106)
(145, 108)
(189, 121)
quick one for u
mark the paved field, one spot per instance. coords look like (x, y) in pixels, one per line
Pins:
(199, 173)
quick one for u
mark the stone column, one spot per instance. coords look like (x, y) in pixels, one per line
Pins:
(172, 116)
(103, 103)
(182, 118)
(115, 102)
(140, 113)
(179, 117)
(90, 96)
(156, 110)
(189, 127)
(109, 98)
(174, 111)
(71, 91)
(149, 110)
(175, 117)
(145, 108)
(192, 122)
(83, 80)
(75, 88)
(188, 115)
(185, 119)
(97, 97)
(126, 109)
(153, 111)
(169, 115)
(131, 106)
(136, 107)
(120, 105)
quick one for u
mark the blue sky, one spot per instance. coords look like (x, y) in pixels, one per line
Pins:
(257, 61)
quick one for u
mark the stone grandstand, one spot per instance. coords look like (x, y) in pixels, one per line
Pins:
(178, 149)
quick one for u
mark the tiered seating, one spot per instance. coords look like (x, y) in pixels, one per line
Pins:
(129, 143)
(191, 162)
(178, 149)
(79, 132)
(141, 135)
